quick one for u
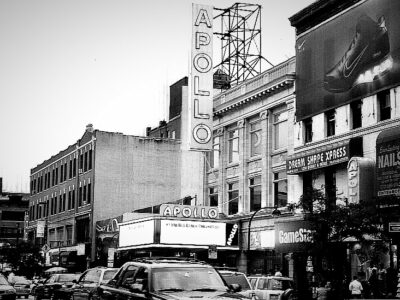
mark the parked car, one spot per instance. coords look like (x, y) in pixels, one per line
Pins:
(22, 286)
(87, 284)
(7, 292)
(167, 279)
(273, 287)
(54, 282)
(234, 277)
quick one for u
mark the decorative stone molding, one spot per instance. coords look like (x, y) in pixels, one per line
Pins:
(264, 115)
(240, 123)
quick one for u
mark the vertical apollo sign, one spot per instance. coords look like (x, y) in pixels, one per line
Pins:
(201, 78)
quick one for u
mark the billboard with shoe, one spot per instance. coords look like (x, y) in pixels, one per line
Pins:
(348, 57)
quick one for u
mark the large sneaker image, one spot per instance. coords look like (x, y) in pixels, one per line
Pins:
(369, 47)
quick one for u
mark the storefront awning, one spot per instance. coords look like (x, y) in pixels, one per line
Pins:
(319, 157)
(388, 135)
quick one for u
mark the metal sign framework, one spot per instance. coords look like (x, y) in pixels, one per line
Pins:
(240, 41)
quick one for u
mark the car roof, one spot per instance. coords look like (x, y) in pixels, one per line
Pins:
(270, 277)
(168, 262)
(231, 272)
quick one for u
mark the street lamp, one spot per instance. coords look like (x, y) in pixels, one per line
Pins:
(275, 212)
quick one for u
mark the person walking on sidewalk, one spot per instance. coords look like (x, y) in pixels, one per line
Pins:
(355, 288)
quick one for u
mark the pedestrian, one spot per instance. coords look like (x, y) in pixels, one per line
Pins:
(373, 283)
(323, 291)
(382, 279)
(355, 288)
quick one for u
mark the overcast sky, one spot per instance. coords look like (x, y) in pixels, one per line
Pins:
(67, 63)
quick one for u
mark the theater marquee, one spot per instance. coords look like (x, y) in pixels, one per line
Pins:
(201, 78)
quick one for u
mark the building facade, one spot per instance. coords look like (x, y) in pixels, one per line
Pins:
(347, 81)
(103, 175)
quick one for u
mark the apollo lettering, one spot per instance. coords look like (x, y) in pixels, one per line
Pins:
(301, 235)
(190, 212)
(201, 87)
(232, 235)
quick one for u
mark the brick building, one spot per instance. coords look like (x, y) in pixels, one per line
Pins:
(103, 175)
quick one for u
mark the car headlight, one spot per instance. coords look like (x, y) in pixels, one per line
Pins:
(9, 291)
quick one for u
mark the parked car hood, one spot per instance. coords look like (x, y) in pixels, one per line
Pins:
(4, 288)
(190, 295)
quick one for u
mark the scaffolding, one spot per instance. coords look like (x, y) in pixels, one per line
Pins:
(240, 36)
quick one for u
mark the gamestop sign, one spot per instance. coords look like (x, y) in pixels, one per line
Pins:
(201, 78)
(292, 236)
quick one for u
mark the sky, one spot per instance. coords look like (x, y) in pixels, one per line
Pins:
(67, 63)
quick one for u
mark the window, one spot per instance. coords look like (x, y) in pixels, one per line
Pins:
(308, 133)
(61, 173)
(69, 199)
(233, 198)
(89, 193)
(85, 166)
(74, 171)
(65, 170)
(214, 154)
(70, 169)
(330, 123)
(90, 159)
(233, 146)
(280, 127)
(80, 196)
(73, 198)
(280, 189)
(213, 196)
(255, 138)
(384, 105)
(84, 193)
(255, 193)
(173, 135)
(356, 114)
(64, 201)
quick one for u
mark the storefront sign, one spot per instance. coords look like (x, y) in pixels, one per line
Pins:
(192, 233)
(186, 211)
(109, 225)
(292, 236)
(360, 176)
(40, 228)
(318, 158)
(138, 233)
(394, 227)
(388, 164)
(264, 239)
(201, 78)
(327, 76)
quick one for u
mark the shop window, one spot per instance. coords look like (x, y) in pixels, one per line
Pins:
(356, 114)
(330, 186)
(233, 198)
(213, 196)
(330, 123)
(255, 138)
(214, 154)
(280, 189)
(307, 190)
(280, 128)
(233, 146)
(308, 130)
(384, 105)
(255, 193)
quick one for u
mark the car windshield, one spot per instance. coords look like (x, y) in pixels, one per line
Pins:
(108, 275)
(237, 278)
(187, 279)
(67, 277)
(275, 284)
(20, 280)
(3, 281)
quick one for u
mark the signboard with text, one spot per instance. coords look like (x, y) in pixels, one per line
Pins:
(187, 211)
(201, 78)
(319, 158)
(388, 164)
(138, 233)
(292, 236)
